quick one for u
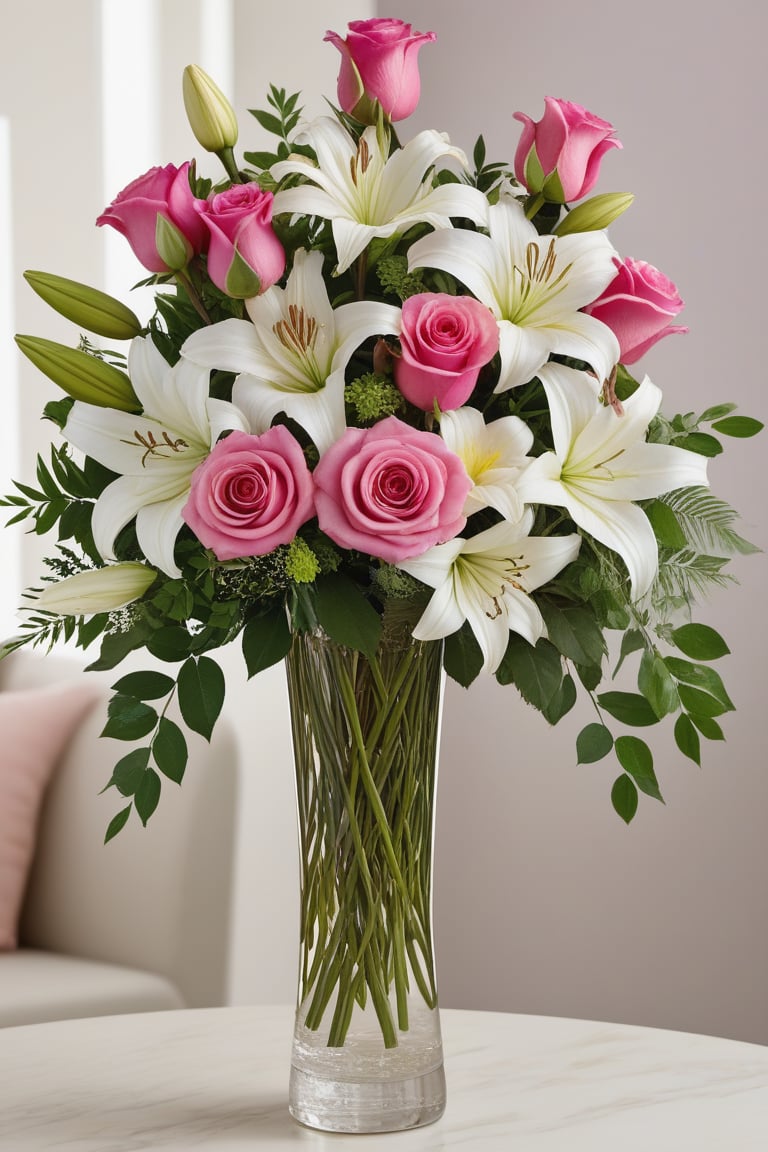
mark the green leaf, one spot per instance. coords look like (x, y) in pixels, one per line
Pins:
(129, 719)
(117, 823)
(700, 676)
(116, 646)
(169, 749)
(624, 797)
(462, 657)
(147, 795)
(562, 702)
(201, 694)
(700, 703)
(268, 121)
(628, 708)
(709, 728)
(128, 772)
(687, 739)
(171, 644)
(536, 672)
(574, 630)
(345, 614)
(631, 641)
(145, 685)
(593, 743)
(266, 640)
(700, 642)
(665, 525)
(656, 684)
(741, 426)
(701, 443)
(716, 412)
(636, 759)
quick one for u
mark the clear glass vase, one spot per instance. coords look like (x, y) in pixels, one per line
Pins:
(367, 1050)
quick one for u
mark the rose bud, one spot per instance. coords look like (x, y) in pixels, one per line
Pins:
(245, 256)
(379, 65)
(161, 192)
(559, 156)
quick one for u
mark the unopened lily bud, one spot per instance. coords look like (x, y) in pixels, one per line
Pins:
(87, 307)
(173, 248)
(211, 116)
(594, 214)
(97, 590)
(81, 376)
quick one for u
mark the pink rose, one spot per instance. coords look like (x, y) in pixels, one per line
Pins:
(251, 494)
(161, 191)
(560, 154)
(445, 342)
(638, 305)
(390, 491)
(245, 256)
(379, 61)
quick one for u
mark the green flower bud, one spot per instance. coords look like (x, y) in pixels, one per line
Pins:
(80, 375)
(86, 307)
(173, 248)
(97, 590)
(210, 114)
(595, 213)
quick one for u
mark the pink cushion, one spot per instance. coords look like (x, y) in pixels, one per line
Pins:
(35, 727)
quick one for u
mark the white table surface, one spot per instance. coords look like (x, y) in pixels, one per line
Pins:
(218, 1078)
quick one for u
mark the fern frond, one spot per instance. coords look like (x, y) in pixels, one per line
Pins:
(685, 577)
(707, 522)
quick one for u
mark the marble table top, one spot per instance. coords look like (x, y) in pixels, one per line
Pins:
(218, 1078)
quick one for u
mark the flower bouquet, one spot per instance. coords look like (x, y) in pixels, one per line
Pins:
(381, 425)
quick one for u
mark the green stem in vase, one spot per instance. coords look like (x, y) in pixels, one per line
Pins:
(365, 735)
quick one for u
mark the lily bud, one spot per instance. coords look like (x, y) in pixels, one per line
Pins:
(81, 376)
(211, 116)
(87, 307)
(173, 248)
(594, 214)
(97, 590)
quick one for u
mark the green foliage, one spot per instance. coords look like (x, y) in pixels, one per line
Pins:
(346, 615)
(395, 278)
(281, 122)
(373, 397)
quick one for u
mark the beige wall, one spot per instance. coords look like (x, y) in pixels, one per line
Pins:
(545, 902)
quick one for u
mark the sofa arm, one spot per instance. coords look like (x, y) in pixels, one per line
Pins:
(157, 898)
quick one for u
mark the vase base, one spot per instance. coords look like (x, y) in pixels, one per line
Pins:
(366, 1106)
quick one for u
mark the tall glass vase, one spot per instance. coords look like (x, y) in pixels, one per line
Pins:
(367, 1051)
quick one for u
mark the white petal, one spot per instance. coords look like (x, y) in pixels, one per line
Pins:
(116, 506)
(623, 527)
(523, 616)
(466, 255)
(147, 368)
(585, 338)
(157, 526)
(231, 346)
(445, 202)
(442, 616)
(574, 401)
(433, 566)
(544, 556)
(224, 417)
(523, 352)
(502, 496)
(307, 200)
(357, 321)
(120, 441)
(491, 629)
(351, 238)
(647, 470)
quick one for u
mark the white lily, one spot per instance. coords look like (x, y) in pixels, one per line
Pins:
(487, 580)
(494, 456)
(534, 285)
(601, 463)
(155, 453)
(292, 354)
(365, 193)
